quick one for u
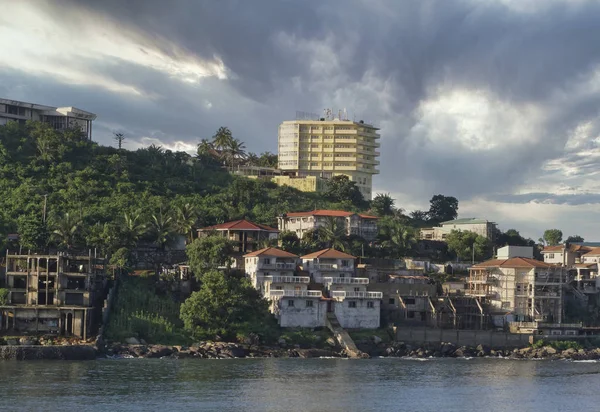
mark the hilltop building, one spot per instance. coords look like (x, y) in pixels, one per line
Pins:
(481, 227)
(358, 224)
(53, 294)
(60, 118)
(312, 150)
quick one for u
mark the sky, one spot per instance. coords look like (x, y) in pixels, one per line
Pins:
(494, 102)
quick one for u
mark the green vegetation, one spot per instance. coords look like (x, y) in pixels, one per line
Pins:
(142, 311)
(3, 296)
(552, 237)
(558, 344)
(306, 338)
(467, 245)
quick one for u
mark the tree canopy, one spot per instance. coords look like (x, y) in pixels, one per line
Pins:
(553, 237)
(442, 208)
(464, 244)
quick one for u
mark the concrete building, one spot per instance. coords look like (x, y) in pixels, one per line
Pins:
(328, 263)
(519, 289)
(60, 118)
(53, 294)
(481, 227)
(246, 235)
(358, 224)
(302, 183)
(565, 255)
(330, 147)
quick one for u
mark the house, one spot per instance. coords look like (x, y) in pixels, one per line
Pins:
(565, 255)
(54, 294)
(481, 227)
(519, 289)
(274, 272)
(357, 224)
(246, 235)
(353, 304)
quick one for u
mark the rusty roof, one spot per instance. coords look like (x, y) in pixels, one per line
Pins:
(328, 254)
(242, 224)
(271, 251)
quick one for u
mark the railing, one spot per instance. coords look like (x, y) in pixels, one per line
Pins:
(340, 295)
(347, 281)
(332, 266)
(287, 279)
(547, 294)
(278, 266)
(295, 293)
(481, 279)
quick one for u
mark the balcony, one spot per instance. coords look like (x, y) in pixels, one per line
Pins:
(287, 279)
(540, 294)
(341, 295)
(346, 281)
(295, 293)
(324, 267)
(481, 279)
(278, 265)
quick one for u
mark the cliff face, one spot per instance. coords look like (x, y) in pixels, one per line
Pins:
(77, 352)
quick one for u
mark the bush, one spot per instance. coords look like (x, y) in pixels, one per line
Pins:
(3, 296)
(306, 337)
(558, 345)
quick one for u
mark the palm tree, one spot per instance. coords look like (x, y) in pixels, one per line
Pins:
(205, 148)
(186, 217)
(134, 228)
(383, 204)
(332, 233)
(399, 238)
(252, 159)
(162, 227)
(65, 230)
(222, 138)
(234, 152)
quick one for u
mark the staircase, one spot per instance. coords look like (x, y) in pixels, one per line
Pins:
(343, 338)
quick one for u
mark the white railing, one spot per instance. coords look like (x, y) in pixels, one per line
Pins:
(295, 293)
(289, 266)
(332, 266)
(347, 281)
(340, 294)
(287, 279)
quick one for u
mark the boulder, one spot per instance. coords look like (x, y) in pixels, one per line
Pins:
(314, 353)
(132, 341)
(159, 351)
(233, 351)
(26, 341)
(377, 340)
(550, 350)
(331, 342)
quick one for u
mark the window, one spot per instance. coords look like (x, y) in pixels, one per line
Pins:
(357, 289)
(550, 255)
(370, 304)
(409, 301)
(392, 301)
(291, 303)
(345, 263)
(309, 303)
(351, 303)
(410, 314)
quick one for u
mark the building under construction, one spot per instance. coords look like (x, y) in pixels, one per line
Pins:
(53, 294)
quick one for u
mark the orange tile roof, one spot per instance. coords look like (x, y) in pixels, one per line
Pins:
(328, 254)
(516, 262)
(240, 225)
(585, 265)
(332, 213)
(271, 251)
(593, 252)
(557, 248)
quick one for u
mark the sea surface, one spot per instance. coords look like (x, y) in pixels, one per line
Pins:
(482, 385)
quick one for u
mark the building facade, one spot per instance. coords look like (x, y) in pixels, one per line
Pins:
(358, 224)
(326, 148)
(246, 235)
(481, 227)
(52, 293)
(60, 118)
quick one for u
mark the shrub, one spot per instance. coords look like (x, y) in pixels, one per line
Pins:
(3, 296)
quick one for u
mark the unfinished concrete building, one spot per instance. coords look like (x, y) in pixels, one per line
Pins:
(54, 294)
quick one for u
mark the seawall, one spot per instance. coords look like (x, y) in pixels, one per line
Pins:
(73, 352)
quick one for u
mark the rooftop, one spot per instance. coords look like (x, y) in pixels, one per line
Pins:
(593, 252)
(516, 262)
(328, 254)
(271, 251)
(240, 225)
(332, 213)
(466, 221)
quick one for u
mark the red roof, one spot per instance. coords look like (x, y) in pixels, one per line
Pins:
(328, 254)
(332, 213)
(271, 251)
(516, 262)
(558, 248)
(594, 252)
(240, 225)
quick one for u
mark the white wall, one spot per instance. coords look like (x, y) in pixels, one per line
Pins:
(301, 316)
(359, 317)
(508, 252)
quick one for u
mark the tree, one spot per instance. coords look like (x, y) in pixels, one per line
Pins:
(574, 239)
(443, 208)
(511, 237)
(33, 233)
(289, 242)
(133, 229)
(226, 305)
(119, 138)
(341, 188)
(552, 237)
(222, 138)
(234, 152)
(396, 238)
(120, 258)
(419, 216)
(185, 219)
(162, 229)
(332, 233)
(205, 148)
(267, 159)
(383, 204)
(66, 228)
(463, 243)
(208, 253)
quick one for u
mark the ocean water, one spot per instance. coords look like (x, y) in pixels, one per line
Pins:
(484, 385)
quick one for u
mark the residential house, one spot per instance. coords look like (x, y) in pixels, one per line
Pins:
(565, 255)
(481, 227)
(358, 224)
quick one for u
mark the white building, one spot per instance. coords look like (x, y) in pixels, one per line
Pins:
(566, 255)
(274, 273)
(481, 227)
(60, 118)
(358, 224)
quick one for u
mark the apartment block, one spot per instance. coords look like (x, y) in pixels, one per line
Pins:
(60, 118)
(357, 224)
(481, 227)
(330, 147)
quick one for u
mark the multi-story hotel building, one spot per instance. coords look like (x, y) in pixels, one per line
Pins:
(59, 118)
(313, 149)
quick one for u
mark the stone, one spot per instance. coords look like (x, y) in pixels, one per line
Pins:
(159, 351)
(26, 341)
(377, 340)
(233, 351)
(550, 350)
(132, 341)
(331, 342)
(142, 341)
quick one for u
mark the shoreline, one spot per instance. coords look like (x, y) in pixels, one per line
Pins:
(225, 350)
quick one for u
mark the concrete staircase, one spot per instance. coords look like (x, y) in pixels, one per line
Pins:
(343, 338)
